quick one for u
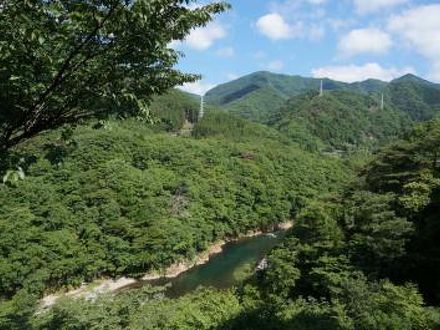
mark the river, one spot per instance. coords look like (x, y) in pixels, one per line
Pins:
(237, 261)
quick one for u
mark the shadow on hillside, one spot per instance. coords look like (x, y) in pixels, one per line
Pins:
(56, 153)
(12, 160)
(264, 320)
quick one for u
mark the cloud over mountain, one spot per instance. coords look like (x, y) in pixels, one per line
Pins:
(420, 28)
(359, 41)
(353, 73)
(275, 27)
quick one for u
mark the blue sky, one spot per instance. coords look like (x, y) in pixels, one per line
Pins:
(347, 40)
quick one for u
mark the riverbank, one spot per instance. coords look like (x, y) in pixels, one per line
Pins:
(92, 290)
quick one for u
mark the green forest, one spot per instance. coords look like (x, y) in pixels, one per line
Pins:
(364, 256)
(109, 171)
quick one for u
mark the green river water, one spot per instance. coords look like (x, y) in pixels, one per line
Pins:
(237, 261)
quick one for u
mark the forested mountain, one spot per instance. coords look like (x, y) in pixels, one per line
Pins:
(347, 116)
(355, 261)
(365, 257)
(415, 96)
(112, 182)
(339, 120)
(122, 197)
(257, 96)
(287, 86)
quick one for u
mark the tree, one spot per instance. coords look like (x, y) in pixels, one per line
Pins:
(64, 60)
(376, 235)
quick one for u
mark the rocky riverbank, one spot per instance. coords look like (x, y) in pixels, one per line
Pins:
(102, 286)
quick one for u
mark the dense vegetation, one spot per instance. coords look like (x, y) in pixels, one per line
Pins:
(113, 197)
(231, 128)
(258, 95)
(339, 120)
(139, 182)
(415, 96)
(170, 110)
(117, 198)
(250, 105)
(354, 260)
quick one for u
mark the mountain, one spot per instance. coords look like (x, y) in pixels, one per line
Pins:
(260, 94)
(284, 85)
(416, 96)
(124, 197)
(339, 119)
(257, 95)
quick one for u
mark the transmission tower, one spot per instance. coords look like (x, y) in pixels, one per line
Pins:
(202, 107)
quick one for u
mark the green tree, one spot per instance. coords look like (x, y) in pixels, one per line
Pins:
(63, 60)
(376, 235)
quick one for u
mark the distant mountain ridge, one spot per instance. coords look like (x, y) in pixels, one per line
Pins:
(257, 95)
(286, 85)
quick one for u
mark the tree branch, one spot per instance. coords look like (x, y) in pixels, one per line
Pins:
(38, 107)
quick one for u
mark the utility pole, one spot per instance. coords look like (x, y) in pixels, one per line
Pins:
(202, 107)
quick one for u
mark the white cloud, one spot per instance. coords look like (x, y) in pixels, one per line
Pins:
(204, 37)
(289, 19)
(275, 27)
(276, 65)
(420, 28)
(226, 52)
(352, 73)
(370, 40)
(198, 87)
(370, 6)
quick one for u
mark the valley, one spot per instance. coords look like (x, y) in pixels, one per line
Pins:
(137, 195)
(198, 188)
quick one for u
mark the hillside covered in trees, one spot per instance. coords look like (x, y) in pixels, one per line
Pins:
(259, 95)
(364, 257)
(339, 120)
(110, 172)
(119, 196)
(114, 197)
